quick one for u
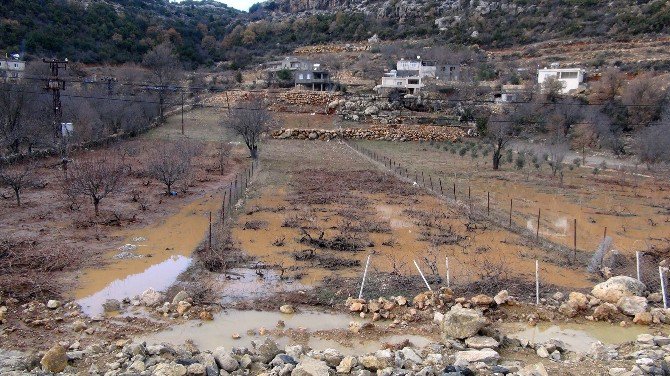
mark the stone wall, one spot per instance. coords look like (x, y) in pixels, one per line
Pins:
(402, 133)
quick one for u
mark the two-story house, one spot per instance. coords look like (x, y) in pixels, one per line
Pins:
(12, 67)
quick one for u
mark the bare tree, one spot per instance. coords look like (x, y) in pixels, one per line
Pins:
(165, 72)
(499, 132)
(653, 144)
(170, 164)
(608, 87)
(644, 97)
(18, 178)
(250, 120)
(556, 147)
(223, 154)
(95, 177)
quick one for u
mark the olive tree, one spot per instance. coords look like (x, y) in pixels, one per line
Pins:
(18, 178)
(250, 120)
(171, 163)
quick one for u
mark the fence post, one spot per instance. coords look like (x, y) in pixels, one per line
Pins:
(605, 233)
(454, 191)
(422, 277)
(537, 282)
(430, 177)
(210, 230)
(442, 193)
(365, 274)
(637, 262)
(447, 262)
(660, 272)
(488, 204)
(574, 237)
(537, 230)
(510, 212)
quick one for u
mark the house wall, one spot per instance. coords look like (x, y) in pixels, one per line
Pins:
(12, 68)
(571, 78)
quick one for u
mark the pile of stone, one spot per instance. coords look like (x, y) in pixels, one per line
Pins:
(331, 48)
(380, 133)
(618, 297)
(306, 98)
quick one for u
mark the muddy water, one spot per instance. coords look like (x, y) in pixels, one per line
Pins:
(155, 256)
(212, 334)
(577, 337)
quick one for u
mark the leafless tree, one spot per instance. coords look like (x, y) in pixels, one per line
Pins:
(223, 154)
(165, 72)
(645, 98)
(608, 87)
(653, 145)
(171, 163)
(556, 146)
(499, 132)
(250, 120)
(18, 178)
(95, 177)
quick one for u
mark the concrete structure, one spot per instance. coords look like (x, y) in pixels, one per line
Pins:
(315, 78)
(12, 67)
(289, 63)
(571, 78)
(409, 75)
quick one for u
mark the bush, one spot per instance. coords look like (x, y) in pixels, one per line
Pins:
(520, 162)
(463, 151)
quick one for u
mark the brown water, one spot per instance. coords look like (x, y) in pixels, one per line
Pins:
(212, 334)
(577, 337)
(162, 253)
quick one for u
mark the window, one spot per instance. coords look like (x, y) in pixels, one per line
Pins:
(413, 82)
(300, 76)
(309, 76)
(399, 83)
(569, 74)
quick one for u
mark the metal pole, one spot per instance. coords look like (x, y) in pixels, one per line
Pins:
(637, 261)
(510, 212)
(182, 112)
(421, 273)
(660, 272)
(365, 274)
(537, 282)
(448, 282)
(574, 237)
(537, 230)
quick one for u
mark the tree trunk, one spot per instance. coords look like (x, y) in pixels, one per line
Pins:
(96, 204)
(169, 188)
(253, 150)
(496, 159)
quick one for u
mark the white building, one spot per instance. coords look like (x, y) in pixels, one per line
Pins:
(571, 78)
(409, 74)
(12, 67)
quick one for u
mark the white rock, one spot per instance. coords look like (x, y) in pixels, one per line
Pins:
(614, 288)
(488, 356)
(481, 342)
(53, 304)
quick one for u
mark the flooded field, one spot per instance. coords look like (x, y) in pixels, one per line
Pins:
(314, 329)
(153, 257)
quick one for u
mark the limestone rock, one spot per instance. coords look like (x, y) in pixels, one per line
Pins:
(482, 300)
(643, 318)
(151, 297)
(180, 296)
(196, 369)
(605, 312)
(578, 300)
(487, 356)
(502, 297)
(347, 363)
(267, 350)
(481, 342)
(461, 323)
(632, 305)
(183, 307)
(287, 309)
(55, 360)
(616, 287)
(533, 370)
(53, 304)
(311, 367)
(169, 369)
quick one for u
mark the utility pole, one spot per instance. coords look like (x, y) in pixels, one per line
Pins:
(55, 85)
(182, 112)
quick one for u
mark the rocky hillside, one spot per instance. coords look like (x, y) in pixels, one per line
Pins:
(492, 23)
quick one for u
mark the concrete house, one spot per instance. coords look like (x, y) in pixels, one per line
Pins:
(315, 78)
(409, 75)
(288, 63)
(571, 78)
(12, 67)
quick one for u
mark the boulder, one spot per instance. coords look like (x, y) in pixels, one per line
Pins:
(267, 350)
(169, 369)
(111, 305)
(487, 356)
(151, 297)
(533, 370)
(347, 363)
(311, 367)
(287, 309)
(578, 300)
(183, 307)
(481, 342)
(502, 297)
(79, 325)
(371, 110)
(460, 323)
(54, 360)
(632, 305)
(567, 309)
(226, 362)
(196, 369)
(482, 300)
(616, 287)
(643, 318)
(53, 304)
(180, 296)
(605, 312)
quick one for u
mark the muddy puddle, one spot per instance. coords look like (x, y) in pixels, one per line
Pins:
(577, 337)
(212, 334)
(152, 256)
(247, 284)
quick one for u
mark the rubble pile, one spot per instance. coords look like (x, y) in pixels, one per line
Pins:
(306, 98)
(382, 133)
(331, 48)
